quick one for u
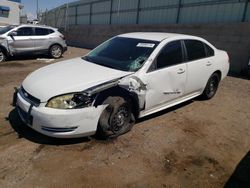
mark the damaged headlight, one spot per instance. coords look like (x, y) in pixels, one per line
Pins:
(70, 101)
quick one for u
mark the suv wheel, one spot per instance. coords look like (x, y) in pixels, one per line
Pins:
(56, 51)
(2, 56)
(116, 119)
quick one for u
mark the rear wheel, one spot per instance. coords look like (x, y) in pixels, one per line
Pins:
(116, 119)
(2, 56)
(211, 87)
(56, 51)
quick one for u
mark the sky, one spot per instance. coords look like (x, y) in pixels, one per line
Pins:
(30, 6)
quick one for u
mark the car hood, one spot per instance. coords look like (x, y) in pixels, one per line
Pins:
(69, 76)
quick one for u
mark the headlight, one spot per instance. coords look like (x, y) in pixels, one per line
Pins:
(70, 101)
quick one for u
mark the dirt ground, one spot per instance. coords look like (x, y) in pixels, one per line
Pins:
(196, 144)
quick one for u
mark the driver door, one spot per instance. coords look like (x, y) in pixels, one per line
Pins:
(167, 77)
(23, 41)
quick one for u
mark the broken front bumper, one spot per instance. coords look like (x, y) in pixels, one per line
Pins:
(59, 123)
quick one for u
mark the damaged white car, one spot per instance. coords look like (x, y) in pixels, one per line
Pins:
(127, 77)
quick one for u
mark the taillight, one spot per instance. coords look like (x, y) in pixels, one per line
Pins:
(63, 37)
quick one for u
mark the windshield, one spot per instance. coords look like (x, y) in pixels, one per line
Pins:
(121, 53)
(6, 29)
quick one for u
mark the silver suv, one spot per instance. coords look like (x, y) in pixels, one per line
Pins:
(31, 39)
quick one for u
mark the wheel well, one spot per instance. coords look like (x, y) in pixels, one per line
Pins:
(219, 73)
(120, 92)
(56, 44)
(4, 50)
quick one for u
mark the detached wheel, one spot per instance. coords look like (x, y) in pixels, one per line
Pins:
(2, 56)
(116, 119)
(211, 87)
(56, 51)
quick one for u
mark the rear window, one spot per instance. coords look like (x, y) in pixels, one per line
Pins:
(209, 50)
(195, 50)
(43, 31)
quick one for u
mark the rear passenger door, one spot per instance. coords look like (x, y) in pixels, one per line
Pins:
(200, 59)
(166, 78)
(42, 39)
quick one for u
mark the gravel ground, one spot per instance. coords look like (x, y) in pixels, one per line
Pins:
(196, 144)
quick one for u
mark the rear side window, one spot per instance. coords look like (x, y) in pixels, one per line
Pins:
(43, 31)
(195, 50)
(25, 31)
(170, 55)
(209, 50)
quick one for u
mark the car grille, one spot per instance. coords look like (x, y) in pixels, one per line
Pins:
(33, 100)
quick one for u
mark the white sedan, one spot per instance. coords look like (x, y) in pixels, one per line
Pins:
(127, 77)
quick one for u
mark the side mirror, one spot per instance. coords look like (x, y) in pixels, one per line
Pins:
(13, 33)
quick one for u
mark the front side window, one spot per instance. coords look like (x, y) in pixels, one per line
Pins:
(25, 31)
(126, 54)
(170, 55)
(6, 29)
(195, 50)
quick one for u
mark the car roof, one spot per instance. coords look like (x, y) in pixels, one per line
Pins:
(40, 26)
(154, 36)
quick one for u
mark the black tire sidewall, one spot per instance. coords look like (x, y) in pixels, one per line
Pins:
(4, 56)
(207, 94)
(104, 129)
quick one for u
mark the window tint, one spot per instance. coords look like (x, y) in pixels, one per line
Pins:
(195, 49)
(42, 31)
(25, 31)
(51, 31)
(209, 50)
(122, 53)
(170, 55)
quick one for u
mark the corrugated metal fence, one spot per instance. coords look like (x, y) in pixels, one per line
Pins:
(104, 12)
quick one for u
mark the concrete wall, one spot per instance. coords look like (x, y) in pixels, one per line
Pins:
(234, 38)
(13, 16)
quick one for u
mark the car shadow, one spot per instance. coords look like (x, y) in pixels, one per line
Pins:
(241, 175)
(28, 133)
(171, 109)
(29, 57)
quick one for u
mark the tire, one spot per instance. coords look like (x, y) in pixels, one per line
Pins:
(2, 56)
(55, 51)
(116, 119)
(211, 87)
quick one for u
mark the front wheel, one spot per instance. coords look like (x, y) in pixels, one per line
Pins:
(2, 56)
(116, 119)
(211, 87)
(56, 51)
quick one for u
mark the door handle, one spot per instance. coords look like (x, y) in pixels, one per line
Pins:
(180, 71)
(209, 63)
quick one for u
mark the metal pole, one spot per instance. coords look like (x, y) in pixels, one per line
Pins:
(66, 17)
(76, 15)
(245, 11)
(90, 14)
(37, 16)
(178, 12)
(118, 9)
(138, 11)
(110, 13)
